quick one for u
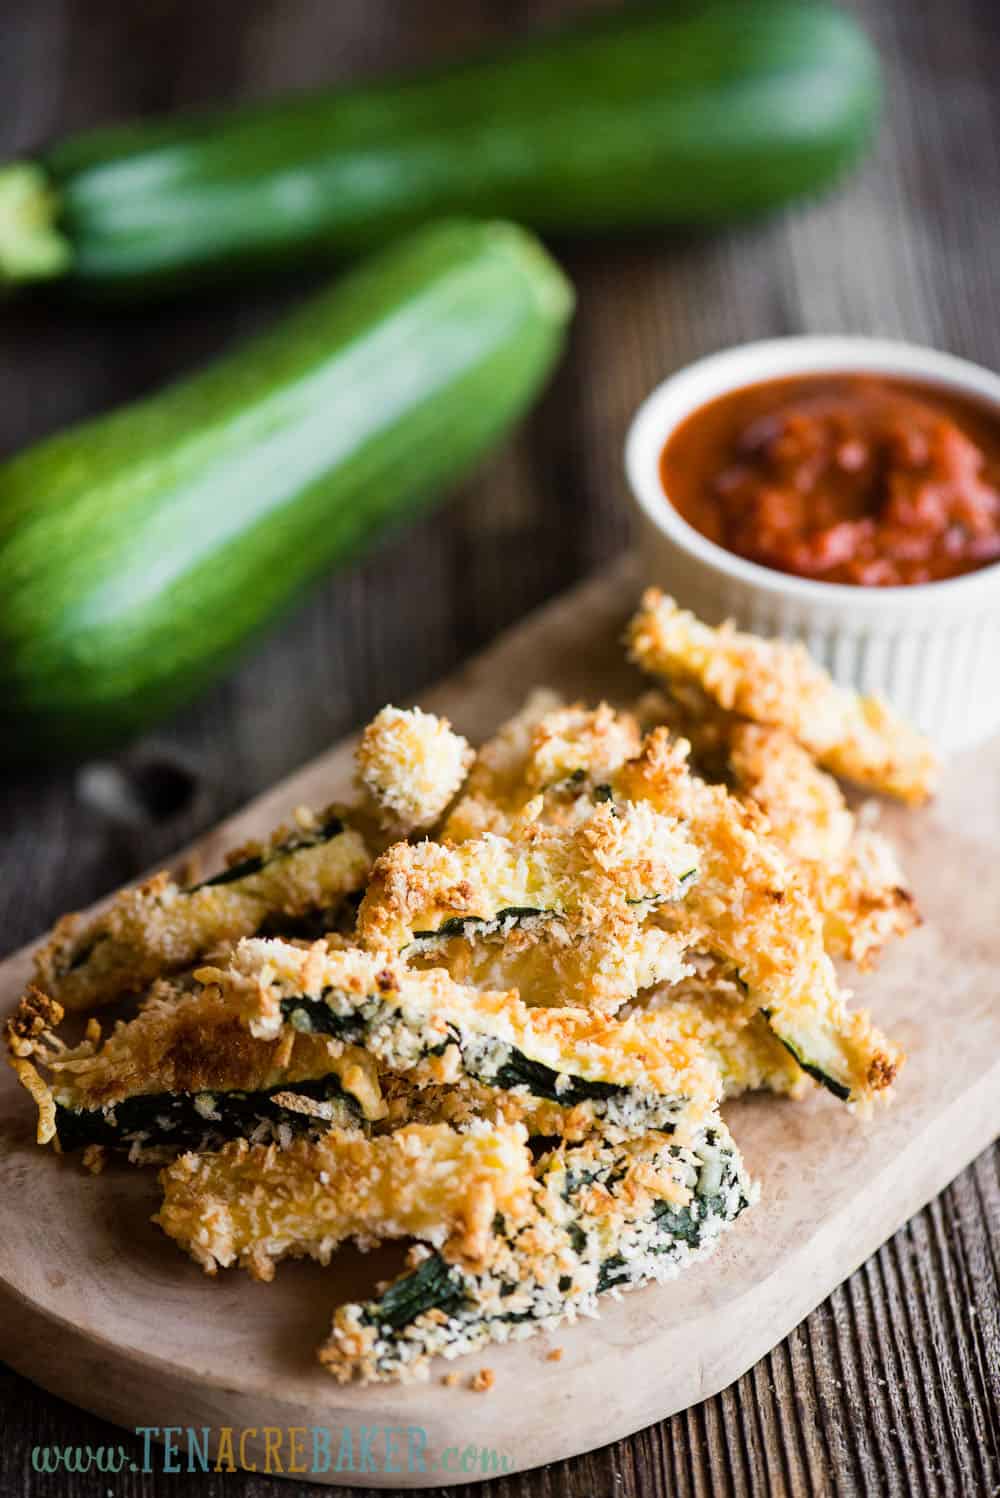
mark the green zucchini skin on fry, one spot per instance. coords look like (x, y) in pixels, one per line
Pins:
(432, 1286)
(139, 551)
(184, 1120)
(798, 1049)
(494, 1064)
(330, 829)
(825, 1078)
(655, 1247)
(159, 929)
(693, 114)
(471, 926)
(518, 1071)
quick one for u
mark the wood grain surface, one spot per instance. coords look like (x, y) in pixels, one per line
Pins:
(176, 1349)
(893, 1385)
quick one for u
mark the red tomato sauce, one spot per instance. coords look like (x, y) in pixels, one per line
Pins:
(844, 478)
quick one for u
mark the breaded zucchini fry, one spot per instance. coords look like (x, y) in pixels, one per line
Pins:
(713, 1008)
(851, 873)
(184, 1073)
(410, 765)
(752, 905)
(628, 1076)
(255, 1204)
(498, 771)
(610, 863)
(864, 898)
(159, 928)
(604, 1216)
(551, 748)
(552, 961)
(750, 908)
(775, 682)
(804, 805)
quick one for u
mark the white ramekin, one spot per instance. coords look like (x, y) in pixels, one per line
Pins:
(933, 649)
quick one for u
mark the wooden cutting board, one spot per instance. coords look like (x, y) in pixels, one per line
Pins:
(98, 1307)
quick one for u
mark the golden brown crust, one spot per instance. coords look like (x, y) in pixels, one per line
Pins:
(850, 872)
(713, 1009)
(197, 1044)
(636, 1052)
(546, 748)
(32, 1022)
(564, 962)
(158, 928)
(410, 765)
(254, 1205)
(605, 864)
(774, 682)
(750, 907)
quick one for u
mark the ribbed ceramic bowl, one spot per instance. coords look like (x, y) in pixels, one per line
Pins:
(933, 650)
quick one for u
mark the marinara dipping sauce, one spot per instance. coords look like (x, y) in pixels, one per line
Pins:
(843, 478)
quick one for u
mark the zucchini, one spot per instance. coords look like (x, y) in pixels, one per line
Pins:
(595, 1228)
(837, 1047)
(160, 929)
(475, 927)
(629, 1075)
(138, 551)
(484, 1059)
(182, 1072)
(255, 1205)
(204, 1120)
(698, 114)
(613, 862)
(563, 961)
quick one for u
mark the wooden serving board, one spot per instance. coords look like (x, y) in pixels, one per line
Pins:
(98, 1307)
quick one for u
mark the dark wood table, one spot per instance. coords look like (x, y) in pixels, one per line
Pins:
(891, 1386)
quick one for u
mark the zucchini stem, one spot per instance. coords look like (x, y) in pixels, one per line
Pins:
(31, 247)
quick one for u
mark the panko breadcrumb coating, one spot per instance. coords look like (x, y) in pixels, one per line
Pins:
(517, 1051)
(752, 905)
(196, 1044)
(158, 928)
(749, 907)
(633, 1073)
(255, 1205)
(711, 1007)
(411, 765)
(773, 681)
(546, 748)
(565, 961)
(608, 862)
(851, 873)
(603, 1217)
(498, 768)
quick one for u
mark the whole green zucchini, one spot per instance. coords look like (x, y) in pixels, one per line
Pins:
(677, 114)
(139, 550)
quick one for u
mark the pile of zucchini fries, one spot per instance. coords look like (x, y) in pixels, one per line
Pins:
(493, 1005)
